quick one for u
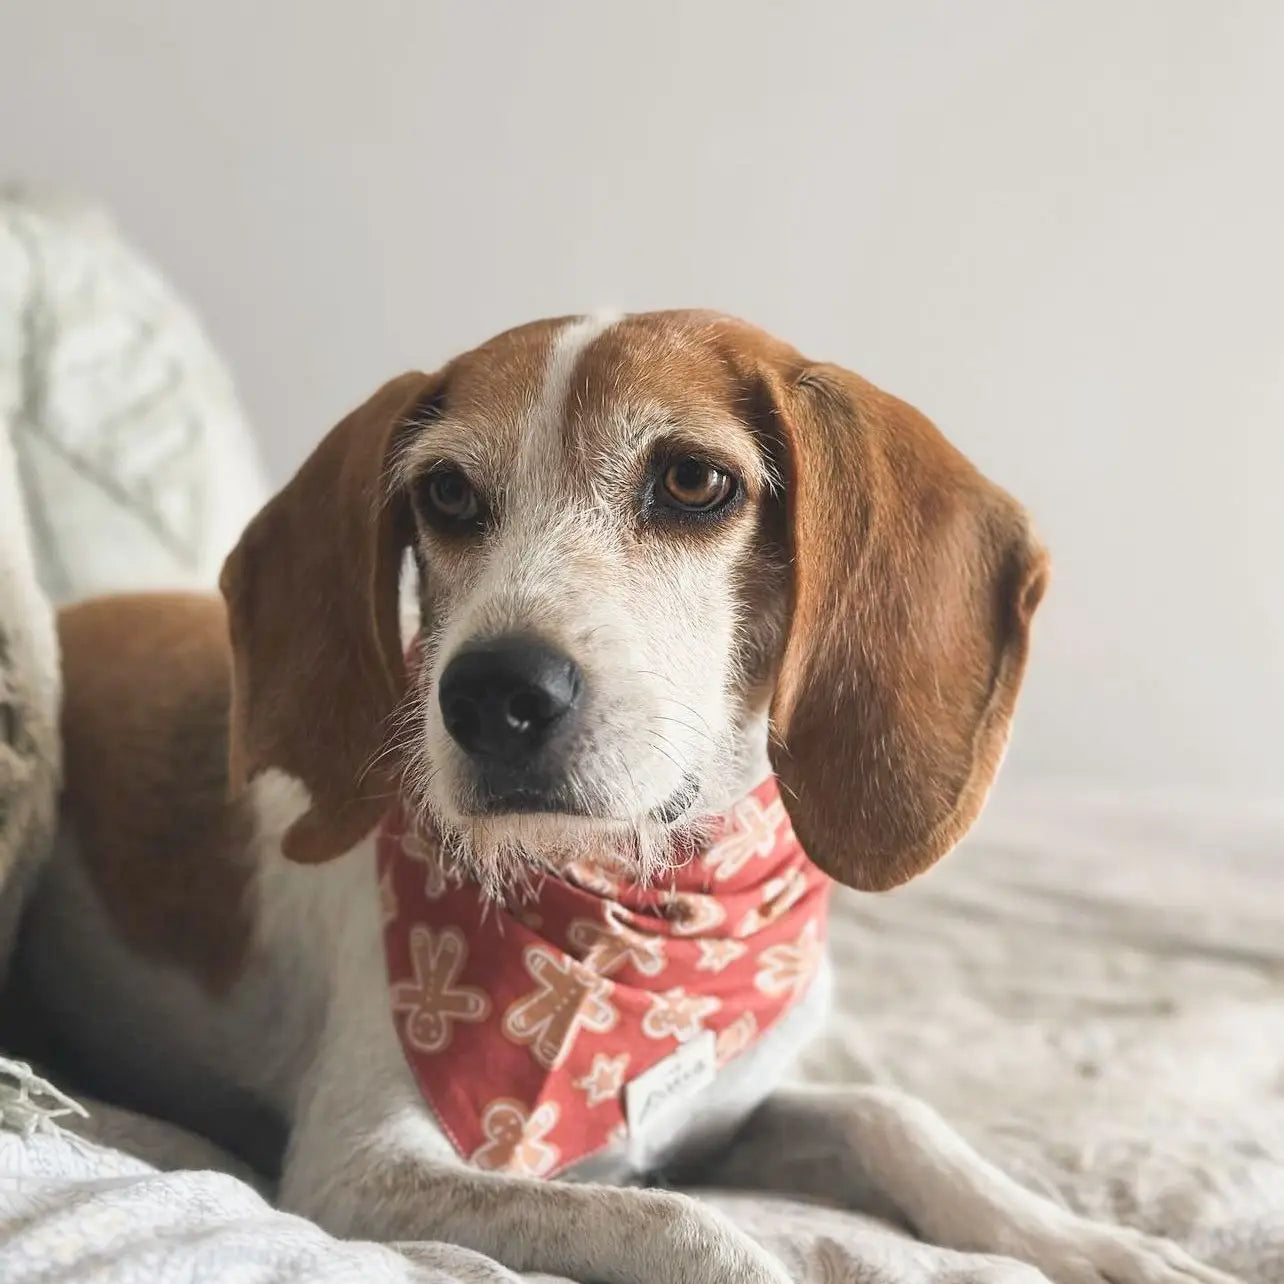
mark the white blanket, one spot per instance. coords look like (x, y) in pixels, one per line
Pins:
(1092, 989)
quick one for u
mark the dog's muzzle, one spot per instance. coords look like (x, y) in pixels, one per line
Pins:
(508, 703)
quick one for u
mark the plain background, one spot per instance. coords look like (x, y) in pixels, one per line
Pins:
(1057, 228)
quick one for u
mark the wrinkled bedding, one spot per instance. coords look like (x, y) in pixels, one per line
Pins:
(1092, 989)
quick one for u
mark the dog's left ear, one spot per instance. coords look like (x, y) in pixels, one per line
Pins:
(311, 591)
(914, 583)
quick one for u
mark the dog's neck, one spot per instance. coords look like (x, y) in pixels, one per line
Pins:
(753, 764)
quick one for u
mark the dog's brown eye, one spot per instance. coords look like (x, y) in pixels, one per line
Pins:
(452, 496)
(696, 486)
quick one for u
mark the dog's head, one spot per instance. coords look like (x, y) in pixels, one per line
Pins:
(639, 543)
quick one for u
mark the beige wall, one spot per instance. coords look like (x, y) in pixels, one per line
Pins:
(1059, 228)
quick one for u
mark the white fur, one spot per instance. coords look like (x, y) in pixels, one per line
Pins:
(306, 1030)
(654, 637)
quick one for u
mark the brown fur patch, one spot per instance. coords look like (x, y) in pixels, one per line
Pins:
(146, 681)
(486, 395)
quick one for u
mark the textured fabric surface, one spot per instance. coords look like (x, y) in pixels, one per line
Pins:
(1092, 990)
(29, 748)
(137, 467)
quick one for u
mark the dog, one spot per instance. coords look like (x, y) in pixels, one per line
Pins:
(665, 568)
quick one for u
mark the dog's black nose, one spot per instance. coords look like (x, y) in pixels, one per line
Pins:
(503, 699)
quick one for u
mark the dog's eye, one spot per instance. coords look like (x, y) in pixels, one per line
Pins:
(695, 486)
(451, 497)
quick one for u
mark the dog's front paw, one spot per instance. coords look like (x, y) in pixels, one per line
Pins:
(691, 1243)
(1086, 1252)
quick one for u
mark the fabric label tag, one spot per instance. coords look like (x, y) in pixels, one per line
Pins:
(670, 1082)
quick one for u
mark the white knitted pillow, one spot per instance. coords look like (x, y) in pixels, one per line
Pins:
(136, 464)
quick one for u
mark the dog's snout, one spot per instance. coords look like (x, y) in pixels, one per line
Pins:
(503, 699)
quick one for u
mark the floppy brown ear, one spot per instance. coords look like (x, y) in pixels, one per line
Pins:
(915, 580)
(311, 591)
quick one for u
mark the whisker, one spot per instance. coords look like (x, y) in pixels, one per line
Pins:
(707, 736)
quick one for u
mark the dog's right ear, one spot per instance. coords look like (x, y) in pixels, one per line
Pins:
(311, 590)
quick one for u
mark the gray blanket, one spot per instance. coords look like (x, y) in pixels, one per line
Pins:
(1091, 989)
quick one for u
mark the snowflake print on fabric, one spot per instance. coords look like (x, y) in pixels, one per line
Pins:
(605, 1078)
(754, 834)
(719, 953)
(677, 1014)
(786, 969)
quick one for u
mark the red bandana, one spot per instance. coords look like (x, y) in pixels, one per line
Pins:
(531, 1027)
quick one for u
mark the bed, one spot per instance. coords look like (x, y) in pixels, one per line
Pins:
(1091, 988)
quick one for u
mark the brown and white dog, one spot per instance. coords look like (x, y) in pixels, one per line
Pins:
(733, 561)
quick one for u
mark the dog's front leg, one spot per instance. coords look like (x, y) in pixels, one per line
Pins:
(883, 1151)
(384, 1172)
